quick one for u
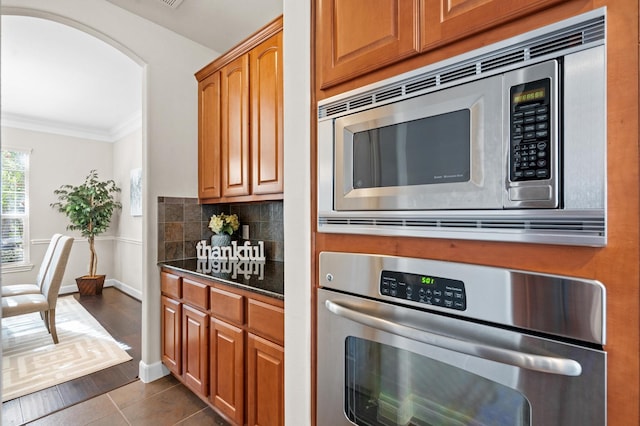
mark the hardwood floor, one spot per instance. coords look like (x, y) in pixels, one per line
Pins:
(120, 315)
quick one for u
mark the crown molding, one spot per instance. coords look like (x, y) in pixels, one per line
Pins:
(94, 133)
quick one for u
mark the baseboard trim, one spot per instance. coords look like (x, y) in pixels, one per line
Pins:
(133, 292)
(110, 282)
(151, 372)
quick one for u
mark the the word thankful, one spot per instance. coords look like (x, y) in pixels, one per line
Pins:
(232, 252)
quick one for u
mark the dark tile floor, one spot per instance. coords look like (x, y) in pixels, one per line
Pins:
(163, 402)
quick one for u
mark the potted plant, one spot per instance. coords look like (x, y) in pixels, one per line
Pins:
(89, 208)
(223, 226)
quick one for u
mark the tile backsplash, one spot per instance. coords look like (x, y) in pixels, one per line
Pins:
(182, 222)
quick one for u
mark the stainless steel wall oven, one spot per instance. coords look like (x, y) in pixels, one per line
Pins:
(405, 341)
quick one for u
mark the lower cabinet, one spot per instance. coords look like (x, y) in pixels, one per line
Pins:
(172, 335)
(195, 350)
(227, 369)
(226, 345)
(265, 371)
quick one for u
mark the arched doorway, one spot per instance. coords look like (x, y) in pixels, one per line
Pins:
(50, 68)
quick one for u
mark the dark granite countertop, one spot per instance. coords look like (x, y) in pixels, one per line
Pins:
(265, 277)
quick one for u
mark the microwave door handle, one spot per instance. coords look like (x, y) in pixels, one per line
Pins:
(545, 364)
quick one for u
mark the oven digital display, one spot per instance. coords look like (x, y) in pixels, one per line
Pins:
(427, 289)
(428, 280)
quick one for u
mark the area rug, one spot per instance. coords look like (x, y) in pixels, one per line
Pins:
(32, 362)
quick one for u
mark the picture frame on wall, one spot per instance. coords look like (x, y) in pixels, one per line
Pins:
(136, 192)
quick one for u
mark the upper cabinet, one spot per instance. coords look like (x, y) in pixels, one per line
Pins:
(355, 37)
(208, 132)
(241, 122)
(235, 128)
(265, 69)
(358, 36)
(442, 22)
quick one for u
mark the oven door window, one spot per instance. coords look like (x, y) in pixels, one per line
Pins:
(388, 386)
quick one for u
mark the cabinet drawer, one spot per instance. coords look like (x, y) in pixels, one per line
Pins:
(195, 293)
(170, 285)
(227, 305)
(266, 320)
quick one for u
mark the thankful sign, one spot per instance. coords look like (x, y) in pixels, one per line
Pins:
(244, 252)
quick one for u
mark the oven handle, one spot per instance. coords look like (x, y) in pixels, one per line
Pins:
(545, 364)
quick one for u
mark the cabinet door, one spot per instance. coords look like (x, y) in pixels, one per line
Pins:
(355, 37)
(195, 349)
(265, 373)
(227, 369)
(265, 70)
(445, 21)
(209, 137)
(172, 335)
(235, 127)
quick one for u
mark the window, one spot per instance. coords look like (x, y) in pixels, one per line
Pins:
(15, 207)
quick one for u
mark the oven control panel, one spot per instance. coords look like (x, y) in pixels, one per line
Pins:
(427, 289)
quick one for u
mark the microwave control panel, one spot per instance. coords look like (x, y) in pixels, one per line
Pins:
(530, 131)
(427, 289)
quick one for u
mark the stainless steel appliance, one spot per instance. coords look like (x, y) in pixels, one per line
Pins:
(507, 142)
(404, 341)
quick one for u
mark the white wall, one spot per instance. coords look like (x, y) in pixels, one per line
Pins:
(297, 212)
(169, 129)
(51, 165)
(56, 160)
(127, 265)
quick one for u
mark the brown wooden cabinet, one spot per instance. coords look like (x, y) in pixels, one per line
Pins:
(209, 166)
(241, 121)
(172, 335)
(355, 37)
(195, 349)
(265, 372)
(267, 142)
(444, 22)
(185, 325)
(235, 128)
(265, 364)
(227, 353)
(225, 344)
(227, 369)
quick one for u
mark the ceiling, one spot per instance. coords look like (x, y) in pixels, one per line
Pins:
(81, 68)
(217, 24)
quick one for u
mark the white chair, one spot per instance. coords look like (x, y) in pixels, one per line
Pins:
(45, 301)
(17, 289)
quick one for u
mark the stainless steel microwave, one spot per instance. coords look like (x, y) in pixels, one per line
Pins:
(505, 143)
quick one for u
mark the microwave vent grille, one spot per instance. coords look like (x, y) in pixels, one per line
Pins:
(360, 102)
(532, 228)
(500, 61)
(336, 109)
(504, 56)
(420, 84)
(458, 73)
(388, 93)
(555, 45)
(568, 38)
